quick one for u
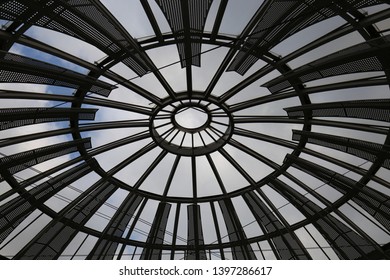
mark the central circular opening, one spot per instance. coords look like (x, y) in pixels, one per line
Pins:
(191, 117)
(188, 127)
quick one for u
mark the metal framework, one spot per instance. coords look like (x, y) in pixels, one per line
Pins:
(316, 189)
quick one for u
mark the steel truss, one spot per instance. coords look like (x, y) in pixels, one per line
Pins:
(159, 130)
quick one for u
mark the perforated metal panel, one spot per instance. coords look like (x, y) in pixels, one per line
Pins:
(286, 247)
(17, 117)
(362, 109)
(184, 18)
(106, 248)
(19, 69)
(346, 243)
(355, 59)
(235, 231)
(156, 234)
(16, 210)
(52, 240)
(281, 19)
(21, 161)
(374, 202)
(195, 234)
(291, 160)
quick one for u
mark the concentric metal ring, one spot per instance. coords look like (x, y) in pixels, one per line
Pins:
(291, 162)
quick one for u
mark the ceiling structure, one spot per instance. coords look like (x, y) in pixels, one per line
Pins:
(215, 134)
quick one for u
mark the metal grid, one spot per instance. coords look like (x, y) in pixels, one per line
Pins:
(179, 217)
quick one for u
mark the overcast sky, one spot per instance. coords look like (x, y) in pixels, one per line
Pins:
(133, 18)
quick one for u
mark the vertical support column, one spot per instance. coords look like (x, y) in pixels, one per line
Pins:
(106, 248)
(16, 210)
(185, 17)
(346, 243)
(56, 236)
(375, 203)
(236, 233)
(287, 246)
(156, 234)
(195, 234)
(12, 164)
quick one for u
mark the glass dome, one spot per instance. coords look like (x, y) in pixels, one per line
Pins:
(192, 129)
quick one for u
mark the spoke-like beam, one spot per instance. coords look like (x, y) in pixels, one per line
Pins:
(149, 170)
(217, 230)
(118, 105)
(152, 20)
(221, 69)
(113, 125)
(264, 137)
(374, 109)
(361, 58)
(133, 87)
(30, 137)
(187, 46)
(119, 143)
(141, 152)
(216, 174)
(259, 101)
(218, 19)
(19, 69)
(254, 154)
(171, 175)
(246, 82)
(18, 117)
(238, 167)
(106, 248)
(15, 163)
(263, 119)
(7, 94)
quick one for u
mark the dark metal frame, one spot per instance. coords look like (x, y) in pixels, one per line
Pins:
(90, 21)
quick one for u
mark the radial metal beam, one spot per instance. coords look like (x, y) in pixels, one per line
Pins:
(218, 19)
(286, 246)
(50, 242)
(157, 232)
(23, 160)
(264, 137)
(330, 227)
(16, 210)
(152, 20)
(367, 150)
(365, 197)
(19, 69)
(364, 57)
(106, 248)
(195, 234)
(236, 233)
(374, 109)
(17, 117)
(83, 127)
